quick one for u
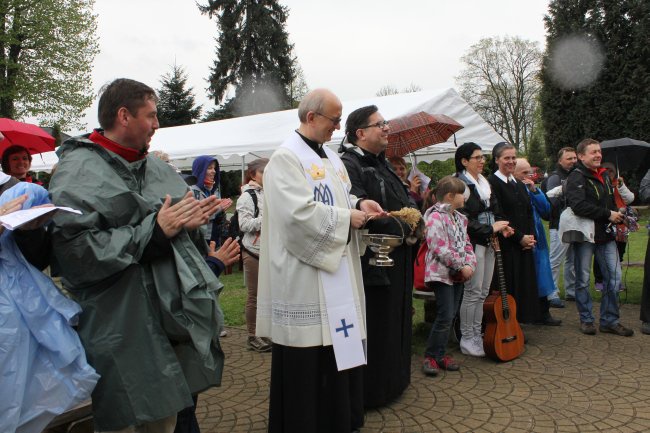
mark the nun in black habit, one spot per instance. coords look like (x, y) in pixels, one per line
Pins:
(513, 205)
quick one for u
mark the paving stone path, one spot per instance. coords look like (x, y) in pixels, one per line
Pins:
(564, 382)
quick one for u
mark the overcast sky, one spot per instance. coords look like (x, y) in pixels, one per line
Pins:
(353, 47)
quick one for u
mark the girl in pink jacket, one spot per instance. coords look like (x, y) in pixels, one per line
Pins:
(450, 261)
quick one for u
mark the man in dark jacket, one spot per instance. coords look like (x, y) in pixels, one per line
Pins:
(590, 196)
(560, 251)
(387, 289)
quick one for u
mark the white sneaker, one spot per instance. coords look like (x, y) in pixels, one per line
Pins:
(468, 347)
(478, 342)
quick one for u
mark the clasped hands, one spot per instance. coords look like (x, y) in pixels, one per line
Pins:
(189, 213)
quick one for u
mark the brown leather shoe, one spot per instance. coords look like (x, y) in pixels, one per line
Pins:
(617, 329)
(588, 328)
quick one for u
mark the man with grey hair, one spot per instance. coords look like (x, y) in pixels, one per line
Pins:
(310, 298)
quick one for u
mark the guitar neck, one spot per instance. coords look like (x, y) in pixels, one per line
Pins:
(502, 278)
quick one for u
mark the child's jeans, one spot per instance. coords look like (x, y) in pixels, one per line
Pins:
(447, 301)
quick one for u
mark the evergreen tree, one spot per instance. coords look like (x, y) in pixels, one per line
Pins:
(224, 111)
(253, 56)
(298, 87)
(615, 100)
(536, 156)
(176, 104)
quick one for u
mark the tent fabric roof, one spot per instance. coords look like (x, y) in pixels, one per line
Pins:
(259, 135)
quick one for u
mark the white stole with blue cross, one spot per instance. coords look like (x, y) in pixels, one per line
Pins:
(337, 286)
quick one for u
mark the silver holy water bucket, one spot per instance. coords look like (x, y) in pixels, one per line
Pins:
(381, 245)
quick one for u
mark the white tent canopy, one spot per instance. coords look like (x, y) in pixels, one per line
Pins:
(231, 140)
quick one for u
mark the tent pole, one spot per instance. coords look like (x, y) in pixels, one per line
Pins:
(414, 159)
(243, 168)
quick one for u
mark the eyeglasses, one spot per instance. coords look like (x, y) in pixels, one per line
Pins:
(381, 125)
(336, 121)
(478, 157)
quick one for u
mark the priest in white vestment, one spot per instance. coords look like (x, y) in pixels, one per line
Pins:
(310, 298)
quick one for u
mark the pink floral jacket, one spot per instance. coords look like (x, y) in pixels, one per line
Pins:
(449, 246)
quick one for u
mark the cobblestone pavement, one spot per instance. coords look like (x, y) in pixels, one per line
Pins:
(564, 382)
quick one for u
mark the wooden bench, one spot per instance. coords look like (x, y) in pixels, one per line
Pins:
(75, 420)
(429, 299)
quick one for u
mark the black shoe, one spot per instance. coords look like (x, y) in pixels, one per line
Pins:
(556, 303)
(549, 321)
(617, 329)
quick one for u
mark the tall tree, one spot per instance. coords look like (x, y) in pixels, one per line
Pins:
(500, 81)
(389, 89)
(412, 88)
(609, 98)
(298, 87)
(386, 90)
(253, 55)
(46, 52)
(176, 105)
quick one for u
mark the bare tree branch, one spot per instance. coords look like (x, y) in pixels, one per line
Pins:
(500, 81)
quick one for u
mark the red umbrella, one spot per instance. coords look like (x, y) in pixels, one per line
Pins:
(31, 137)
(416, 131)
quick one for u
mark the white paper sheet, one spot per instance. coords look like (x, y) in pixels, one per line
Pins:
(16, 219)
(424, 179)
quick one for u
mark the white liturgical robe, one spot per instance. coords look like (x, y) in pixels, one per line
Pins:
(301, 236)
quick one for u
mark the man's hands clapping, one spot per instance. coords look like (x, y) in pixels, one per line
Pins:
(228, 253)
(189, 213)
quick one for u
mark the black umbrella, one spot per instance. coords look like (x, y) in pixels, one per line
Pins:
(626, 154)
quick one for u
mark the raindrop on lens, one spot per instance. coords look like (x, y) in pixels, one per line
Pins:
(575, 61)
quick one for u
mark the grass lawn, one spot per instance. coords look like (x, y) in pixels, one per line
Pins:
(233, 297)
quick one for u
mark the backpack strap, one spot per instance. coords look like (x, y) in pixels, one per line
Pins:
(254, 198)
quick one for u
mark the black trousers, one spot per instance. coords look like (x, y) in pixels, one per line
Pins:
(645, 294)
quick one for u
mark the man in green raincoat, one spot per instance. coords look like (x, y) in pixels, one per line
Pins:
(135, 262)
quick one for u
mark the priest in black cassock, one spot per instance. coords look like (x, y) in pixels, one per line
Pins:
(513, 205)
(388, 290)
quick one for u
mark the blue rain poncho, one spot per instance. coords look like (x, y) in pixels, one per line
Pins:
(43, 364)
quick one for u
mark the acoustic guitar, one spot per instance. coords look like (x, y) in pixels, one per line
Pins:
(503, 339)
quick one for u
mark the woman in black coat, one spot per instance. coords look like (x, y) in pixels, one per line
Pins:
(513, 205)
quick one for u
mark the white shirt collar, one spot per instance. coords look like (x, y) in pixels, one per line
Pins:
(503, 177)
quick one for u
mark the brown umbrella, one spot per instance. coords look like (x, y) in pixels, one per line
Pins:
(416, 131)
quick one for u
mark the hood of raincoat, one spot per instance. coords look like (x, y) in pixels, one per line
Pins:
(199, 168)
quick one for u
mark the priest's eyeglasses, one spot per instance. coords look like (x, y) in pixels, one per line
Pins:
(336, 121)
(381, 125)
(478, 157)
